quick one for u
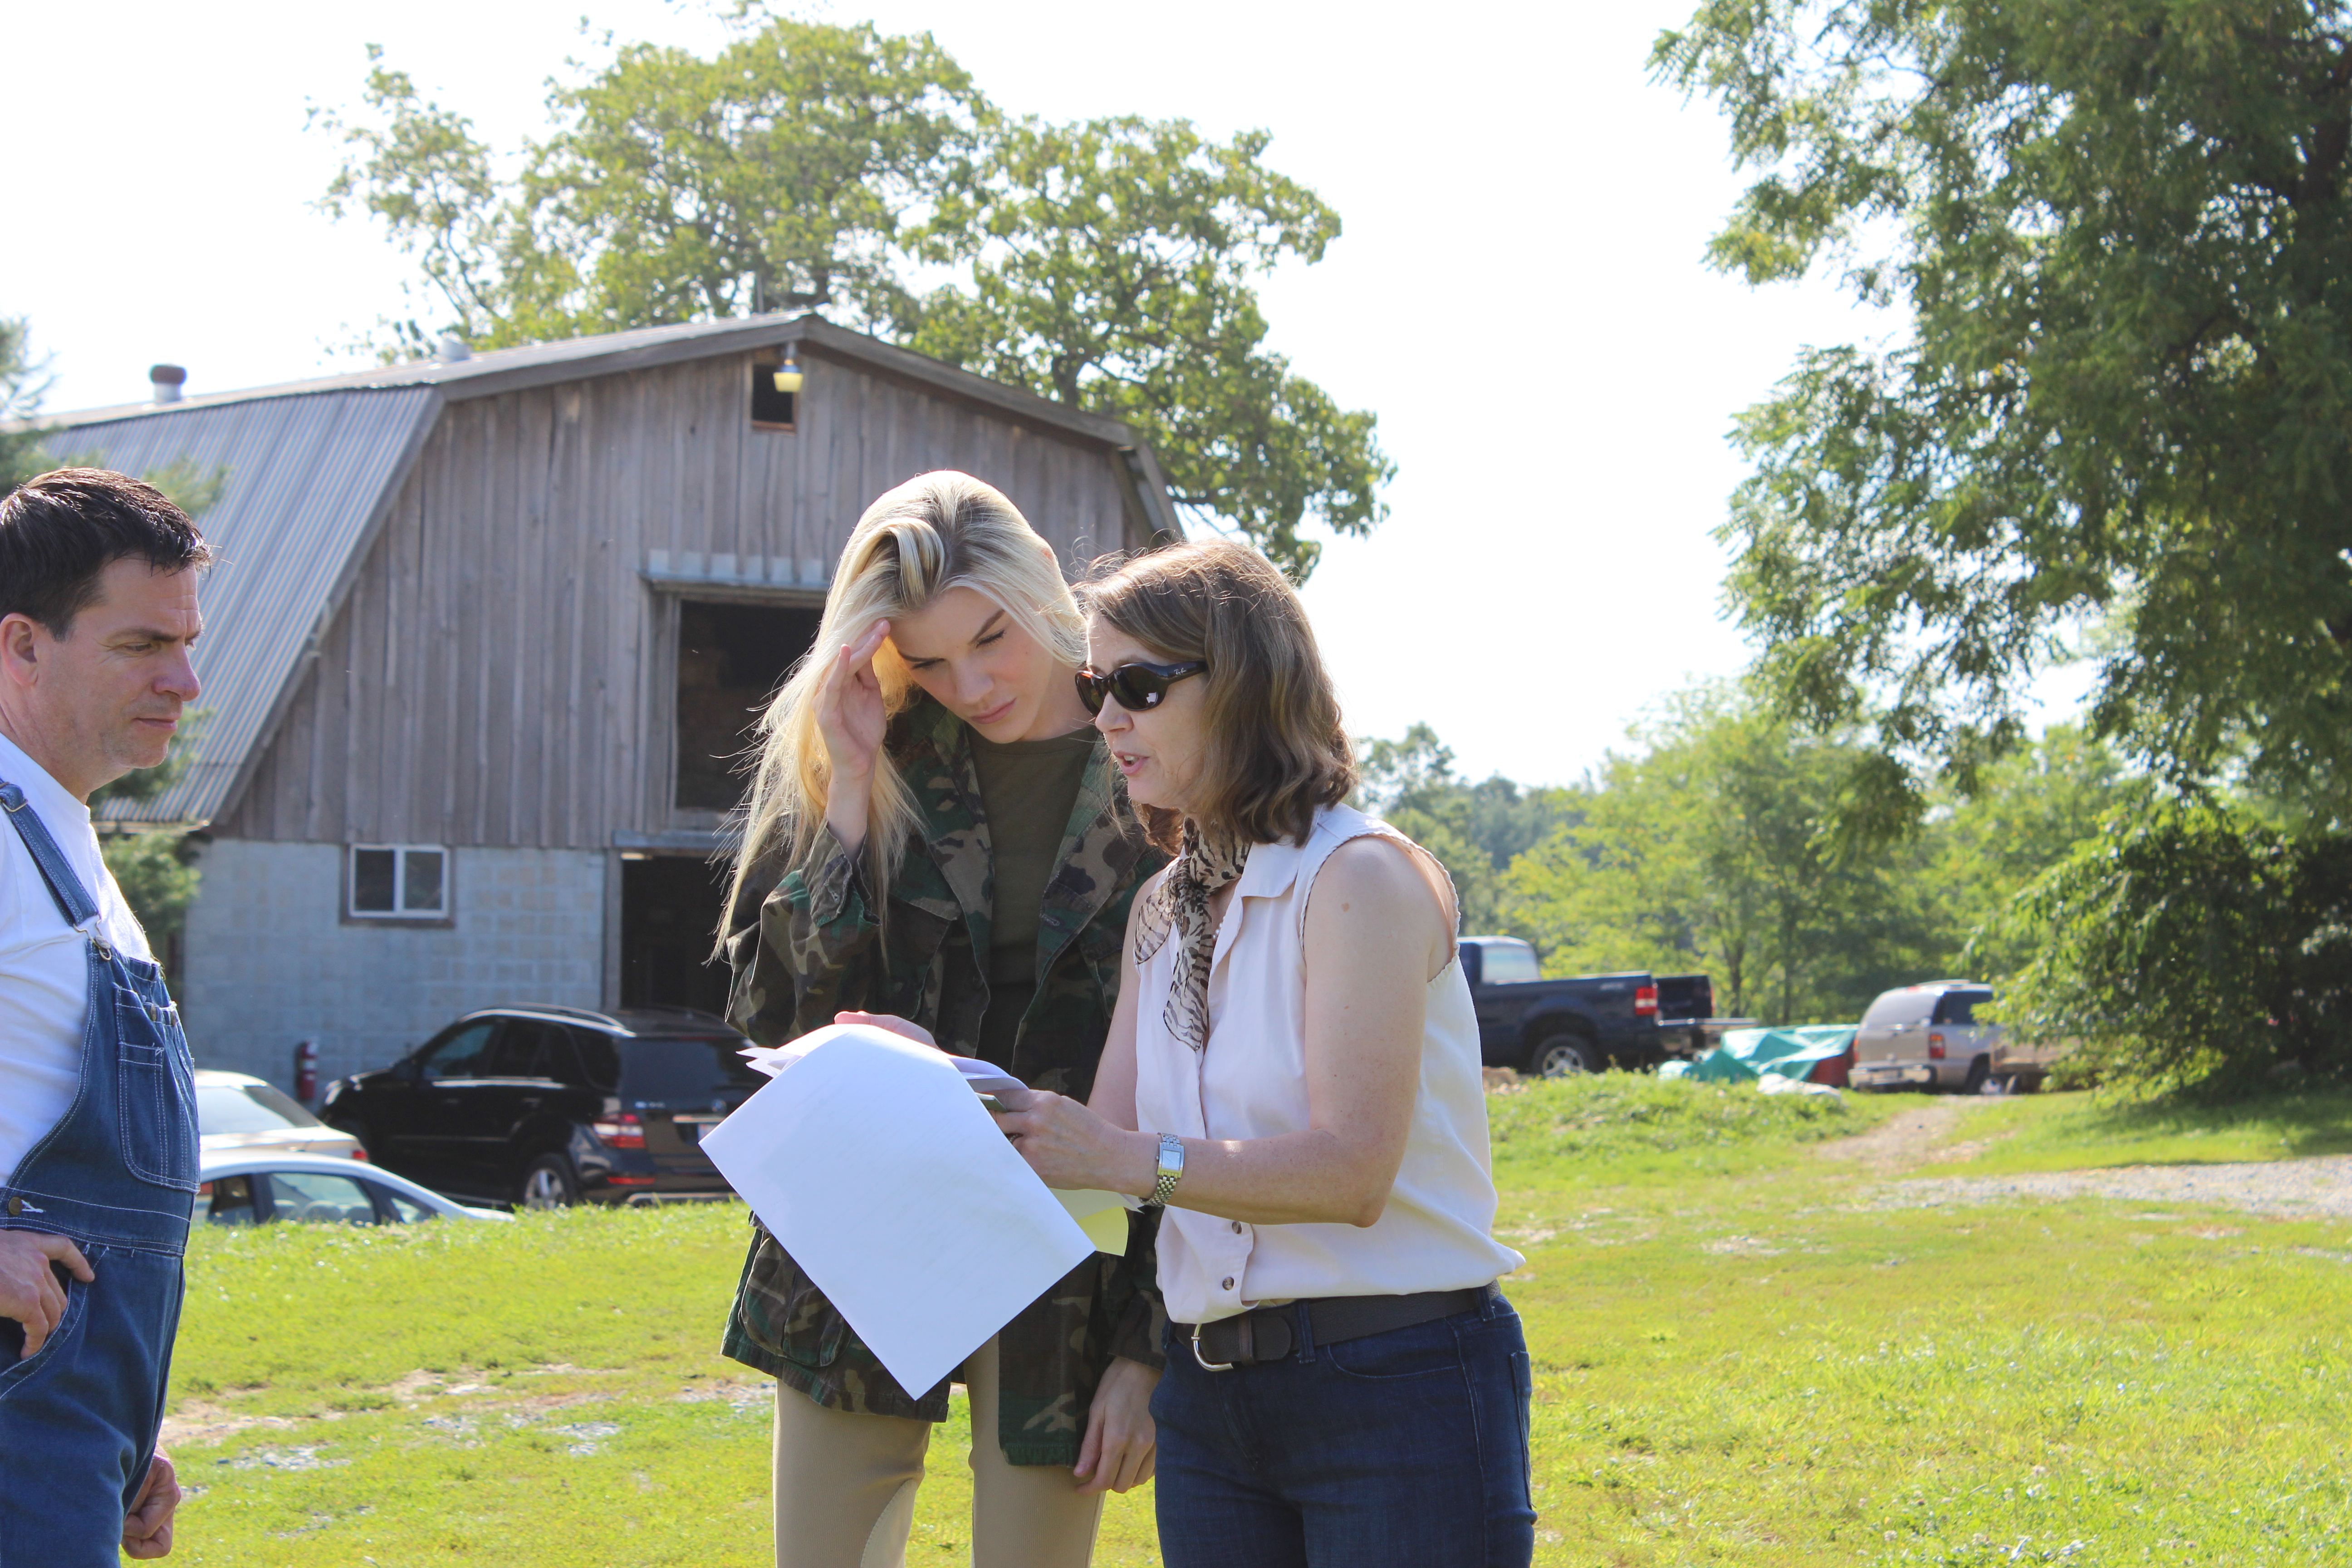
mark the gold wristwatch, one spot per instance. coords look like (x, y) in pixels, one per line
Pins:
(1171, 1171)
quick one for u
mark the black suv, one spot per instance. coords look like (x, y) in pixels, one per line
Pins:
(544, 1107)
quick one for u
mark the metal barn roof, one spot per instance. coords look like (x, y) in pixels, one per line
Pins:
(495, 370)
(303, 478)
(308, 467)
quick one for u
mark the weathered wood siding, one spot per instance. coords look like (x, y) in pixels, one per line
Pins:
(500, 674)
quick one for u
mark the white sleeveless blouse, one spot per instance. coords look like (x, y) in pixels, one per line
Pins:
(1250, 1082)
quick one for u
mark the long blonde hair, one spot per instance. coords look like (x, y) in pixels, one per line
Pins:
(937, 532)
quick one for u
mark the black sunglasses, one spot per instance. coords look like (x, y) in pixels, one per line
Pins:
(1138, 687)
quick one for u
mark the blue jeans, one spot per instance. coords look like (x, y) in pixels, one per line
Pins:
(117, 1176)
(1407, 1448)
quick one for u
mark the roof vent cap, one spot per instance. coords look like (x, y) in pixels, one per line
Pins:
(453, 350)
(167, 379)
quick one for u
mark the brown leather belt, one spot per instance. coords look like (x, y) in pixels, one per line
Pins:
(1270, 1334)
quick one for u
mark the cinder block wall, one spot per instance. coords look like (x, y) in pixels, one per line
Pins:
(270, 960)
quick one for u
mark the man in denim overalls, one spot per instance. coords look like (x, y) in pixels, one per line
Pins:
(97, 1128)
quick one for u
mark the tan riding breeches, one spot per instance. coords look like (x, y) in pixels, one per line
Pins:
(846, 1489)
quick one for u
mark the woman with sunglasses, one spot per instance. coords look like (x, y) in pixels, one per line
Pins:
(1293, 1072)
(935, 832)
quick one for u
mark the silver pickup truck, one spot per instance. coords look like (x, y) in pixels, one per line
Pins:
(1928, 1037)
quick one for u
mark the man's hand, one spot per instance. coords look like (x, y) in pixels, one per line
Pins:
(29, 1291)
(147, 1532)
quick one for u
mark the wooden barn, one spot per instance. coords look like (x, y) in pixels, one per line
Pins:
(486, 632)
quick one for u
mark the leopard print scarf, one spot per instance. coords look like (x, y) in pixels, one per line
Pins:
(1181, 905)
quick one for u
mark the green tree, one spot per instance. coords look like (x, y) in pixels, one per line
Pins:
(157, 872)
(1713, 849)
(672, 188)
(2033, 810)
(2192, 948)
(24, 382)
(1111, 265)
(155, 866)
(2118, 236)
(1475, 830)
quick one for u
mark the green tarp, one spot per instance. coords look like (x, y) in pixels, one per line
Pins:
(1747, 1055)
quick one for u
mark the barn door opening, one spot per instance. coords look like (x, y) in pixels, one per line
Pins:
(730, 659)
(669, 912)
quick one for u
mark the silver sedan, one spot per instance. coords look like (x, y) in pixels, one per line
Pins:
(257, 1187)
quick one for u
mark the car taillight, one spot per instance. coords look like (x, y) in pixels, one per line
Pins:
(358, 1153)
(1935, 1047)
(1645, 1000)
(623, 1130)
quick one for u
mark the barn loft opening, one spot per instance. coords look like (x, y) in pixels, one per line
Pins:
(770, 409)
(731, 659)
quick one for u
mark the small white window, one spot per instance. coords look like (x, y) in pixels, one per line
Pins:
(400, 881)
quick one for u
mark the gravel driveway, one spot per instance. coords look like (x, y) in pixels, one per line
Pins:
(2301, 1189)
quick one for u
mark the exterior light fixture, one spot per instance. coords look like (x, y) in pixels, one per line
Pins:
(788, 374)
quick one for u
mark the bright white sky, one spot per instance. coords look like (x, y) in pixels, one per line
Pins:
(1518, 294)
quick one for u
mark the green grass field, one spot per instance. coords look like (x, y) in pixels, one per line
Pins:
(2072, 1131)
(1740, 1360)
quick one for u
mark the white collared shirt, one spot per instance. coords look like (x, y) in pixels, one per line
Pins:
(45, 963)
(1250, 1082)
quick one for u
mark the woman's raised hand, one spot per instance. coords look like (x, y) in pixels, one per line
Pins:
(850, 716)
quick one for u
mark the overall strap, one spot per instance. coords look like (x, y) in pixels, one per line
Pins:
(66, 888)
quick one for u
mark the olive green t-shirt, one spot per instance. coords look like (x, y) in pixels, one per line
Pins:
(1027, 788)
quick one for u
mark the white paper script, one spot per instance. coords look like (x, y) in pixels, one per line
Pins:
(886, 1178)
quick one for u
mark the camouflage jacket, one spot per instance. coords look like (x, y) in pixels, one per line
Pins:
(810, 945)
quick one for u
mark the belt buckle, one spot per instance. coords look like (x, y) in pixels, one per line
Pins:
(1206, 1364)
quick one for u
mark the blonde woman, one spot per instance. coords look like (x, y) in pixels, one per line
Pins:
(936, 831)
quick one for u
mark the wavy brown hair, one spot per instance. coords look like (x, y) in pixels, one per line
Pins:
(1277, 751)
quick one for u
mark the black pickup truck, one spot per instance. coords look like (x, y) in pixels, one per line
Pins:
(1552, 1028)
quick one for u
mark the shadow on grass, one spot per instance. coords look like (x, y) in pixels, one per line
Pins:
(2074, 1131)
(2315, 1122)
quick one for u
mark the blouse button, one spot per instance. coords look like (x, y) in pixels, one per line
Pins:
(1226, 1283)
(1238, 1227)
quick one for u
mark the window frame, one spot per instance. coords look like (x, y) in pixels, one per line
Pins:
(766, 369)
(268, 1181)
(422, 1055)
(397, 915)
(1489, 951)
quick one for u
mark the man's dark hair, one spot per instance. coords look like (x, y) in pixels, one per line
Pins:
(60, 532)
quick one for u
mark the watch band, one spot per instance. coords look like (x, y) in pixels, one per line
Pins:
(1171, 1171)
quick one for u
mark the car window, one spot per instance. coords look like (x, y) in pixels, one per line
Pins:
(600, 1059)
(528, 1047)
(230, 1199)
(1960, 1006)
(1507, 963)
(313, 1197)
(690, 1072)
(462, 1054)
(1908, 1006)
(406, 1210)
(247, 1108)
